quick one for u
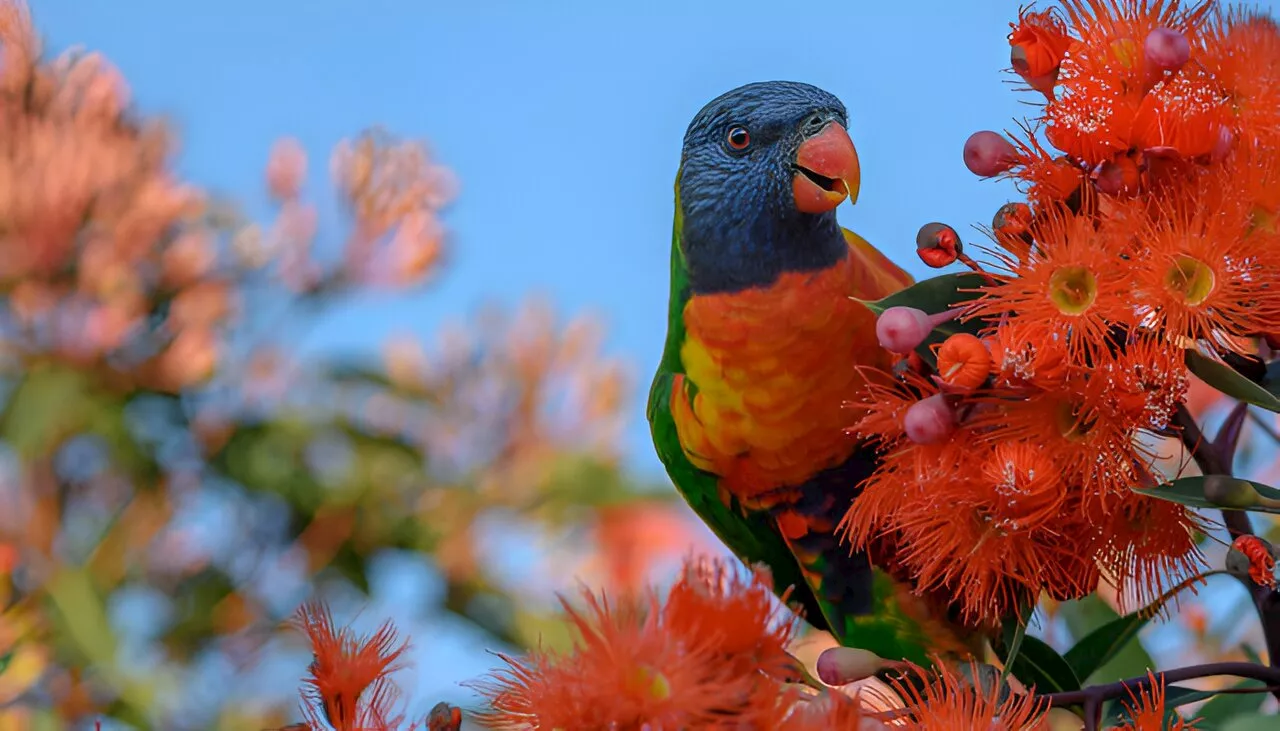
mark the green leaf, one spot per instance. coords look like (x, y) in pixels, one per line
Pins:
(1104, 644)
(1013, 641)
(51, 404)
(935, 295)
(82, 614)
(1228, 381)
(1089, 615)
(1251, 654)
(1230, 705)
(1037, 664)
(1252, 722)
(352, 566)
(47, 406)
(1190, 491)
(1176, 695)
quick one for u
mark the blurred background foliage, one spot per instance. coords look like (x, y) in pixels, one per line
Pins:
(174, 482)
(175, 479)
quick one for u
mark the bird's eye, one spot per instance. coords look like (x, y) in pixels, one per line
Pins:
(738, 138)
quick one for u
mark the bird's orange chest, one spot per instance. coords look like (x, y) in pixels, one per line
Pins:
(766, 373)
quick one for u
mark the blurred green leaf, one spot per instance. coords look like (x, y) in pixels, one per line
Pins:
(271, 457)
(1230, 382)
(578, 481)
(81, 613)
(1253, 722)
(45, 720)
(80, 609)
(1230, 705)
(194, 600)
(1251, 654)
(547, 630)
(352, 566)
(46, 406)
(51, 404)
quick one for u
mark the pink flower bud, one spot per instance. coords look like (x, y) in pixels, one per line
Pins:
(989, 153)
(901, 329)
(845, 665)
(1167, 49)
(929, 421)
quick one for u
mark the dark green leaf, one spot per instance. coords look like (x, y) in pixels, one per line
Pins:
(1271, 381)
(935, 295)
(1228, 381)
(1013, 636)
(1038, 664)
(350, 565)
(1252, 722)
(195, 602)
(1130, 660)
(1230, 705)
(1104, 644)
(1176, 695)
(1190, 491)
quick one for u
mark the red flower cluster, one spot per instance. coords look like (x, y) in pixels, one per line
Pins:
(1149, 232)
(714, 650)
(712, 654)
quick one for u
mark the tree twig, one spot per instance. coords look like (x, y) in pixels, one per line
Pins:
(1216, 459)
(1095, 695)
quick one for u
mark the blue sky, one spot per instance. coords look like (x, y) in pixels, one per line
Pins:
(563, 121)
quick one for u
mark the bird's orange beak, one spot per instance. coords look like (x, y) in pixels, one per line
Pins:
(827, 171)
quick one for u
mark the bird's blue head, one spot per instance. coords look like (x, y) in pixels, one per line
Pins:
(762, 170)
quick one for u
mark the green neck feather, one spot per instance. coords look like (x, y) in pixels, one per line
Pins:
(671, 361)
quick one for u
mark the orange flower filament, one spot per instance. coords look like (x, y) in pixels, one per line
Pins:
(1147, 712)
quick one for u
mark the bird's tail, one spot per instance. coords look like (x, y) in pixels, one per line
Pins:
(861, 605)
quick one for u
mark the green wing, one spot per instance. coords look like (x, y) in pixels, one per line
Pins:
(751, 537)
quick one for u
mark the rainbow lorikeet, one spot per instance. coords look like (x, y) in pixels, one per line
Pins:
(764, 342)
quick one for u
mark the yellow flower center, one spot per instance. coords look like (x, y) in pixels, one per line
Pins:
(1126, 51)
(1190, 278)
(1073, 289)
(1070, 424)
(650, 684)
